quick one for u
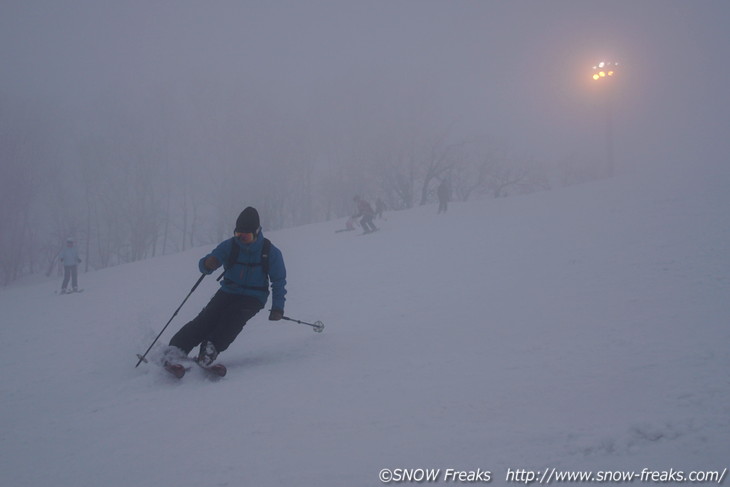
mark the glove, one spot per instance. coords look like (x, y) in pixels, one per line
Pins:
(211, 263)
(276, 315)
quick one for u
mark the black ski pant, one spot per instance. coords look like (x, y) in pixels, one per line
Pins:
(367, 224)
(70, 272)
(219, 322)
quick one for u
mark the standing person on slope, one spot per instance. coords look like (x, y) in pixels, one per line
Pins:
(70, 258)
(444, 194)
(243, 293)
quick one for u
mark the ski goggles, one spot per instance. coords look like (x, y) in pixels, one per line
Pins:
(245, 237)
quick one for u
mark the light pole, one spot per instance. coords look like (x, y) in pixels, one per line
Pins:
(604, 73)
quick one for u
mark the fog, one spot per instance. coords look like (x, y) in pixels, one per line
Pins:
(143, 127)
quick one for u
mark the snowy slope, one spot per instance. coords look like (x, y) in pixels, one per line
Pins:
(584, 328)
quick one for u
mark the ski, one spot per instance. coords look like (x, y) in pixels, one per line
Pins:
(61, 292)
(218, 370)
(178, 370)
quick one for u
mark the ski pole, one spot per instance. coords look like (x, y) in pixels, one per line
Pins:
(142, 357)
(317, 325)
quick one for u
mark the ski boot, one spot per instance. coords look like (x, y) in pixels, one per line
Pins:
(207, 354)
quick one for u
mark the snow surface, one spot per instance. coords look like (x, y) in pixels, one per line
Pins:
(582, 328)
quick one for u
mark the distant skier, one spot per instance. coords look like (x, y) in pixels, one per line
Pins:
(70, 258)
(243, 293)
(444, 195)
(365, 211)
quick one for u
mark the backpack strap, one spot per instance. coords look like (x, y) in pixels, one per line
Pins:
(233, 256)
(264, 263)
(265, 249)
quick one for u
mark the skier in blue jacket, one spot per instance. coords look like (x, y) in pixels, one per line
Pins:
(243, 293)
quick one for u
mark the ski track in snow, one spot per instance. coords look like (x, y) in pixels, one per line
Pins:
(581, 328)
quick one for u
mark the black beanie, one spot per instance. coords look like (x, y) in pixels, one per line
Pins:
(248, 221)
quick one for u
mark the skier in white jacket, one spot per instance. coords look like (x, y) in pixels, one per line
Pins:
(70, 258)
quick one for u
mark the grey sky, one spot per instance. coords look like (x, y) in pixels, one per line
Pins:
(517, 70)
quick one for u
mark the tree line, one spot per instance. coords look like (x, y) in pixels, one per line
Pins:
(132, 179)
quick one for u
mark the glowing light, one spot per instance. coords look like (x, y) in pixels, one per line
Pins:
(604, 69)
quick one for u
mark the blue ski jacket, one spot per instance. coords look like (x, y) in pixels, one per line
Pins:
(69, 256)
(246, 276)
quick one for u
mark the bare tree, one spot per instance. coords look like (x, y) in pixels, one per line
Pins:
(441, 157)
(21, 147)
